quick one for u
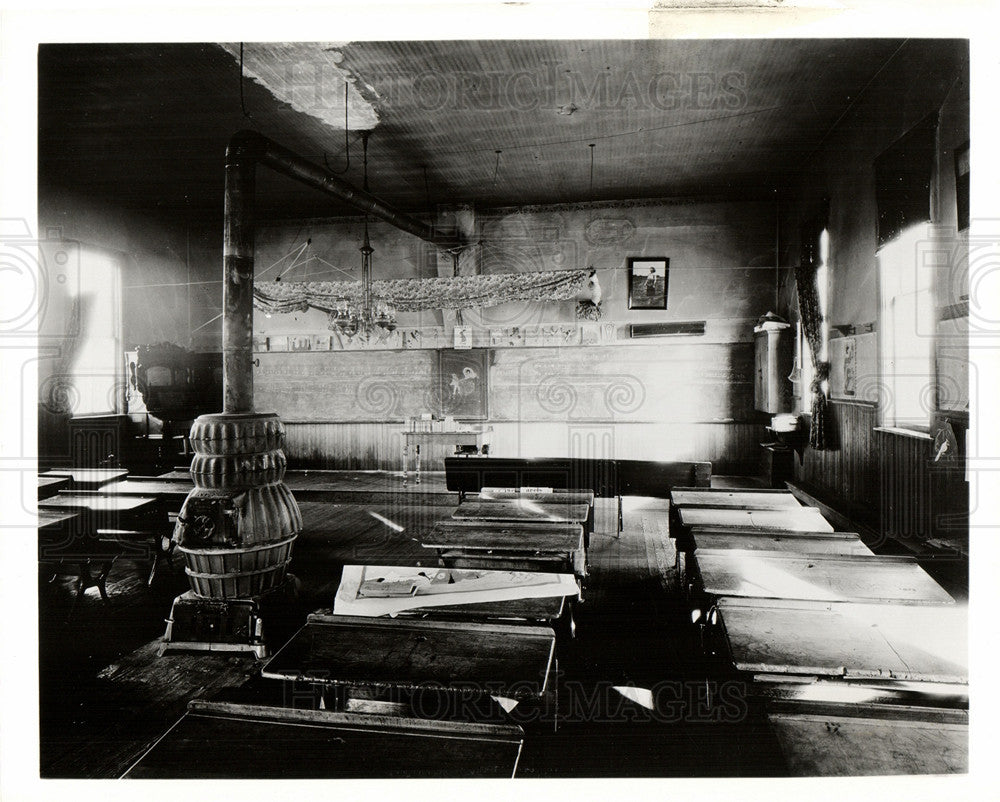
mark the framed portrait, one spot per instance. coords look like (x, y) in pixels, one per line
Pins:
(647, 282)
(463, 383)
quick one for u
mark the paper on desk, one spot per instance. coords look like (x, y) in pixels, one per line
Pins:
(437, 587)
(641, 696)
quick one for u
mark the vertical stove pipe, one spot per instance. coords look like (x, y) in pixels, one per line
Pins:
(237, 288)
(238, 524)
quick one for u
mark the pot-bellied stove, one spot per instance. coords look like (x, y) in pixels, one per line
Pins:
(235, 530)
(238, 524)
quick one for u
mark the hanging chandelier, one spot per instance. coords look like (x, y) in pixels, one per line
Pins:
(370, 315)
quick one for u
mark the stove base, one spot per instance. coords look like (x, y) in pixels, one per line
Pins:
(199, 624)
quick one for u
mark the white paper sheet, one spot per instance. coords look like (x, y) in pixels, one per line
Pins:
(437, 587)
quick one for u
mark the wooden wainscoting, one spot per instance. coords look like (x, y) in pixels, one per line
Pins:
(848, 473)
(731, 447)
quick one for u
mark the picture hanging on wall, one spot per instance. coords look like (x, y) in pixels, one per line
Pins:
(463, 383)
(647, 282)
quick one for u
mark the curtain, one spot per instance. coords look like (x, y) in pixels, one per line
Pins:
(812, 322)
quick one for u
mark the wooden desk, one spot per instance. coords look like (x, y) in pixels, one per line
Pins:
(773, 575)
(903, 642)
(853, 740)
(228, 741)
(133, 523)
(477, 438)
(414, 655)
(734, 499)
(825, 543)
(67, 539)
(166, 490)
(87, 478)
(521, 510)
(822, 543)
(504, 494)
(99, 503)
(50, 485)
(803, 519)
(510, 545)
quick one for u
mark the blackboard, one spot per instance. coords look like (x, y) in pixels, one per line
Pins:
(666, 381)
(349, 386)
(671, 381)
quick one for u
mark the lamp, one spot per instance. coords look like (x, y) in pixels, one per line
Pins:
(372, 315)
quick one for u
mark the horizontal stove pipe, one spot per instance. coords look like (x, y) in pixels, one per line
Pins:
(246, 150)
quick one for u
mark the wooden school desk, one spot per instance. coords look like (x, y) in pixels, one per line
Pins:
(556, 547)
(87, 478)
(904, 642)
(216, 740)
(774, 575)
(353, 652)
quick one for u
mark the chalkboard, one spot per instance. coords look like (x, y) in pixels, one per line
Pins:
(663, 382)
(349, 386)
(676, 381)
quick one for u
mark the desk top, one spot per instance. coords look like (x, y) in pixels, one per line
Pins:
(859, 641)
(147, 487)
(501, 659)
(88, 477)
(557, 537)
(49, 520)
(521, 510)
(495, 494)
(834, 543)
(50, 485)
(98, 503)
(859, 578)
(804, 519)
(456, 437)
(216, 740)
(734, 499)
(872, 742)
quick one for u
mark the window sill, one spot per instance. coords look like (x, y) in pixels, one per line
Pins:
(915, 433)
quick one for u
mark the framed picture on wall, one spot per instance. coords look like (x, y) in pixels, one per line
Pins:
(463, 383)
(647, 282)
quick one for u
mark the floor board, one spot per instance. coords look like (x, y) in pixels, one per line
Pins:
(104, 693)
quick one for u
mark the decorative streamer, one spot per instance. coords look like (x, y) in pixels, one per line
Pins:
(442, 292)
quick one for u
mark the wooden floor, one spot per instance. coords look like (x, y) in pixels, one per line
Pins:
(105, 695)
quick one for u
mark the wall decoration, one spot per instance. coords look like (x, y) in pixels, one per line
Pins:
(441, 292)
(590, 334)
(320, 342)
(507, 337)
(259, 343)
(609, 332)
(463, 383)
(300, 343)
(277, 343)
(462, 338)
(533, 336)
(647, 282)
(850, 367)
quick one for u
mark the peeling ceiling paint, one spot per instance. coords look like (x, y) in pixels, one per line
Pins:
(307, 76)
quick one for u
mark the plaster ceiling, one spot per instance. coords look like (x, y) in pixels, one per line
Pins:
(145, 126)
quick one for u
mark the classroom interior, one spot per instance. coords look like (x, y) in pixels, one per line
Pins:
(660, 345)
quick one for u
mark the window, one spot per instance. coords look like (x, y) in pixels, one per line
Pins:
(81, 329)
(906, 328)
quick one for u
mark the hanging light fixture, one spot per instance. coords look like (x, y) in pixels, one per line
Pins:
(368, 315)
